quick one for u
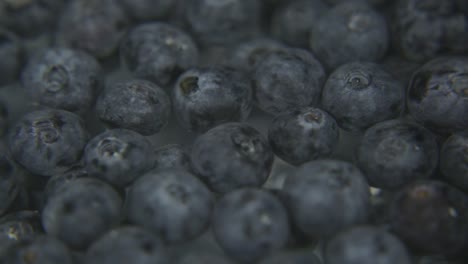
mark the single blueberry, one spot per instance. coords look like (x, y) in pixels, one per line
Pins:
(158, 51)
(348, 32)
(396, 152)
(438, 94)
(431, 217)
(366, 245)
(231, 156)
(81, 211)
(118, 156)
(47, 142)
(63, 78)
(361, 94)
(137, 105)
(454, 160)
(327, 196)
(288, 79)
(127, 244)
(303, 135)
(206, 97)
(172, 203)
(250, 223)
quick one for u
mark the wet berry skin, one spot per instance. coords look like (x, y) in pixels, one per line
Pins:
(288, 79)
(431, 217)
(454, 160)
(81, 211)
(118, 156)
(231, 156)
(172, 203)
(303, 135)
(63, 78)
(396, 152)
(366, 245)
(250, 223)
(206, 97)
(438, 94)
(127, 244)
(47, 142)
(158, 52)
(326, 196)
(137, 105)
(361, 94)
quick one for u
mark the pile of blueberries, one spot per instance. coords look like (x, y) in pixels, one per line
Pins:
(234, 131)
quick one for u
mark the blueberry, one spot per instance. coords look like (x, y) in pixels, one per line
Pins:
(247, 54)
(55, 182)
(303, 135)
(9, 183)
(431, 217)
(206, 97)
(136, 105)
(438, 94)
(172, 156)
(172, 203)
(63, 78)
(12, 53)
(348, 32)
(295, 256)
(40, 250)
(454, 160)
(231, 156)
(426, 29)
(366, 245)
(118, 156)
(148, 9)
(327, 196)
(20, 225)
(47, 142)
(361, 94)
(396, 152)
(223, 22)
(293, 21)
(287, 80)
(127, 244)
(250, 223)
(30, 18)
(158, 52)
(81, 211)
(95, 26)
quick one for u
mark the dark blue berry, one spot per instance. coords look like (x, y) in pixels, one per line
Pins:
(172, 203)
(127, 244)
(327, 196)
(63, 78)
(438, 94)
(12, 53)
(361, 94)
(223, 22)
(206, 97)
(118, 156)
(395, 152)
(288, 79)
(431, 217)
(349, 31)
(95, 26)
(250, 223)
(158, 52)
(55, 182)
(81, 211)
(171, 156)
(293, 21)
(366, 245)
(454, 160)
(136, 105)
(231, 156)
(47, 142)
(303, 135)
